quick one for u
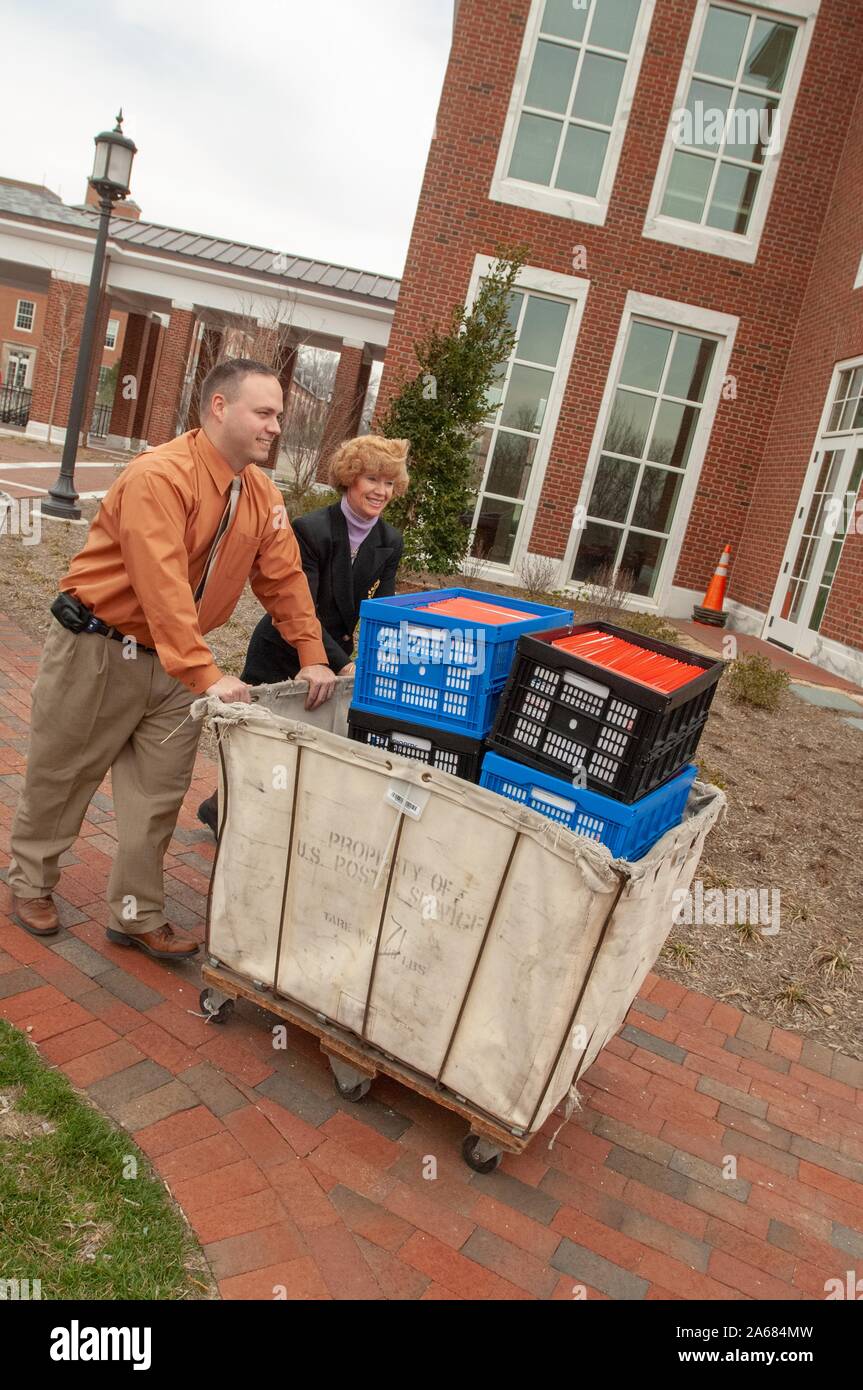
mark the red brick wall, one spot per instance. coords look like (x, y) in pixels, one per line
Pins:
(170, 376)
(346, 406)
(65, 305)
(829, 330)
(456, 220)
(10, 335)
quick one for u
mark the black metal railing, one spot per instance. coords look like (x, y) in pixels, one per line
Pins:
(101, 421)
(14, 405)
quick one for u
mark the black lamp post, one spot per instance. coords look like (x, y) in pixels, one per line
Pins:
(112, 168)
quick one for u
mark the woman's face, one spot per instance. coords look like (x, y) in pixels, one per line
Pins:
(369, 494)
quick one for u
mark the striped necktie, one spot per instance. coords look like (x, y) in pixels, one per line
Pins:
(227, 518)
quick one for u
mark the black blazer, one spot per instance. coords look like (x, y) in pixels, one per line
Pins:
(337, 586)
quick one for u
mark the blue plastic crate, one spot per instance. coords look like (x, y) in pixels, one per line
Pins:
(436, 668)
(628, 831)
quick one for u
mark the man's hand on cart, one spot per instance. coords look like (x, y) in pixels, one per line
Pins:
(322, 683)
(230, 689)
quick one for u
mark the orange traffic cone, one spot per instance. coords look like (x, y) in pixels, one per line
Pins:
(711, 610)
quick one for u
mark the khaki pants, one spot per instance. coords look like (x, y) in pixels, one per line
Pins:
(95, 708)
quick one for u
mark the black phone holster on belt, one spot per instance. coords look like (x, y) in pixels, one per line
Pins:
(71, 612)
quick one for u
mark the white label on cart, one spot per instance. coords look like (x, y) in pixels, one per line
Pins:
(407, 798)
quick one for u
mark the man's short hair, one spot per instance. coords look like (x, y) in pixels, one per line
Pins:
(227, 377)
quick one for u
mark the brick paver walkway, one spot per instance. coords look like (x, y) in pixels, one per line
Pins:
(287, 1184)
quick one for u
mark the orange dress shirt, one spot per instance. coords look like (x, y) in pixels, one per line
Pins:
(149, 542)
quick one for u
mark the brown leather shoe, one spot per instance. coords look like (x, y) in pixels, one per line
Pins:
(38, 916)
(163, 942)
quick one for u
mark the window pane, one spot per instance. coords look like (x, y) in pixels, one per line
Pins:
(629, 423)
(614, 24)
(657, 498)
(564, 18)
(526, 398)
(751, 125)
(479, 454)
(833, 555)
(583, 157)
(673, 434)
(688, 182)
(707, 106)
(733, 198)
(496, 529)
(612, 489)
(513, 308)
(842, 388)
(542, 331)
(722, 45)
(598, 88)
(596, 550)
(510, 465)
(535, 149)
(690, 367)
(858, 415)
(769, 55)
(641, 558)
(848, 414)
(645, 356)
(551, 77)
(494, 394)
(818, 610)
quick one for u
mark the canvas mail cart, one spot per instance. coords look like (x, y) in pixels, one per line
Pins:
(422, 926)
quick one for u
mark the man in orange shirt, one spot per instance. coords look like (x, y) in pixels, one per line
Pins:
(165, 561)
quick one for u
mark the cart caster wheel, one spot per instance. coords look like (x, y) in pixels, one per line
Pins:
(479, 1165)
(215, 1014)
(353, 1093)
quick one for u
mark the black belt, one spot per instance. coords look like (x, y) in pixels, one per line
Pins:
(74, 615)
(96, 625)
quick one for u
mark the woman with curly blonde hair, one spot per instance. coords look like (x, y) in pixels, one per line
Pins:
(348, 552)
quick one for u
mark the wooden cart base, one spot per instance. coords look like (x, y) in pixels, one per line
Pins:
(356, 1064)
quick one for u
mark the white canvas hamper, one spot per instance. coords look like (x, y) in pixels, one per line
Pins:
(479, 944)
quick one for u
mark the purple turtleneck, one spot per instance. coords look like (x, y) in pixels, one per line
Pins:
(358, 526)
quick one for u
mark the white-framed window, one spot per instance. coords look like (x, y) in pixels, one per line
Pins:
(112, 333)
(18, 374)
(732, 109)
(664, 384)
(511, 453)
(828, 509)
(25, 315)
(570, 106)
(858, 283)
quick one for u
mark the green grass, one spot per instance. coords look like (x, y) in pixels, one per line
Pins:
(69, 1217)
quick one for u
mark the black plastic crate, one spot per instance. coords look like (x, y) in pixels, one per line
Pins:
(560, 712)
(438, 748)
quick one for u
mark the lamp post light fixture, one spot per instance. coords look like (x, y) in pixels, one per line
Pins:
(110, 179)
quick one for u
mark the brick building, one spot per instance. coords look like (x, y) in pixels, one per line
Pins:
(687, 176)
(22, 321)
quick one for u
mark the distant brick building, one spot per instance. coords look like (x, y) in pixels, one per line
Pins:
(22, 320)
(687, 176)
(173, 302)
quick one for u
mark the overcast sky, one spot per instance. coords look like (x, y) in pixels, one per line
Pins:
(300, 125)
